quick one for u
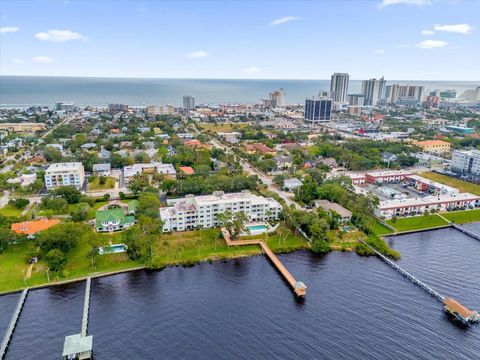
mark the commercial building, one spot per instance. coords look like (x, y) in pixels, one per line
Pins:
(117, 108)
(160, 110)
(130, 171)
(64, 106)
(429, 186)
(25, 127)
(415, 206)
(188, 102)
(466, 162)
(64, 174)
(339, 87)
(356, 100)
(318, 110)
(387, 177)
(434, 146)
(406, 95)
(373, 90)
(194, 212)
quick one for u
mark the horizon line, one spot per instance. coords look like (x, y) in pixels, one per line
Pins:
(212, 78)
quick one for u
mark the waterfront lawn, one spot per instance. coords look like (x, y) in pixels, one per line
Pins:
(10, 211)
(461, 185)
(380, 229)
(95, 184)
(189, 247)
(462, 217)
(417, 222)
(14, 261)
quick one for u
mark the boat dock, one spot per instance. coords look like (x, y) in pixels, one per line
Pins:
(465, 231)
(80, 346)
(86, 307)
(299, 288)
(451, 305)
(13, 323)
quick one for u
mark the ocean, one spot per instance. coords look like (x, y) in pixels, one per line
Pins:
(21, 91)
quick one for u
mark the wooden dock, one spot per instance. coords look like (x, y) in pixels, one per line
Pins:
(299, 288)
(86, 307)
(13, 323)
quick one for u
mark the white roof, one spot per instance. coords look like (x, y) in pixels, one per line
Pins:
(70, 166)
(427, 200)
(132, 170)
(382, 173)
(435, 184)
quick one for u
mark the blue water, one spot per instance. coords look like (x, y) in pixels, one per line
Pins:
(29, 90)
(113, 249)
(256, 227)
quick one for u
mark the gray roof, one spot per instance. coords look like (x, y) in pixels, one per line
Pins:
(101, 167)
(329, 206)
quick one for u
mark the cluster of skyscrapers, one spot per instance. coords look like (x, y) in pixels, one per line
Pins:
(373, 92)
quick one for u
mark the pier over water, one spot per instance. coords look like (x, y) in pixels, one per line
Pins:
(299, 288)
(452, 306)
(13, 323)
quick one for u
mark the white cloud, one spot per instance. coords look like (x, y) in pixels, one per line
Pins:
(56, 35)
(458, 28)
(385, 3)
(428, 32)
(9, 29)
(283, 20)
(431, 44)
(17, 61)
(198, 54)
(401, 46)
(252, 70)
(43, 59)
(379, 51)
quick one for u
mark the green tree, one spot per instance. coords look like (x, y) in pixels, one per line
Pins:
(57, 204)
(138, 183)
(80, 212)
(69, 193)
(63, 236)
(56, 261)
(94, 243)
(148, 205)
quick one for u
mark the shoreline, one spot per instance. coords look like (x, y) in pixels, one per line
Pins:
(185, 263)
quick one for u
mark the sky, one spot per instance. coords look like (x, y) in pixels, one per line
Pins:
(399, 39)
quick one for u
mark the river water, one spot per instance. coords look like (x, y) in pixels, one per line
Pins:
(356, 308)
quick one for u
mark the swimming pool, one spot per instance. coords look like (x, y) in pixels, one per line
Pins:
(256, 229)
(112, 249)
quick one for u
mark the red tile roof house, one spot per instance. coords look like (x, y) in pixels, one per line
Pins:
(187, 170)
(263, 149)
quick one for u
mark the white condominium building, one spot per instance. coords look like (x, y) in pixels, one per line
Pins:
(165, 169)
(466, 162)
(64, 174)
(194, 212)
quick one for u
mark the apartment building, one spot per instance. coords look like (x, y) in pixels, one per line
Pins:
(130, 171)
(409, 207)
(434, 146)
(65, 174)
(194, 212)
(22, 127)
(466, 162)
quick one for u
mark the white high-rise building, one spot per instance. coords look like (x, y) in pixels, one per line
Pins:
(339, 87)
(373, 90)
(192, 212)
(466, 162)
(64, 174)
(188, 102)
(277, 98)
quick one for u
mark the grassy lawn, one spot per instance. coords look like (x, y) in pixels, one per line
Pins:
(14, 261)
(380, 229)
(95, 185)
(345, 241)
(462, 217)
(417, 222)
(9, 210)
(461, 185)
(220, 127)
(191, 246)
(183, 248)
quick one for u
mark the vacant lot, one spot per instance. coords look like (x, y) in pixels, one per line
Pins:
(461, 185)
(95, 184)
